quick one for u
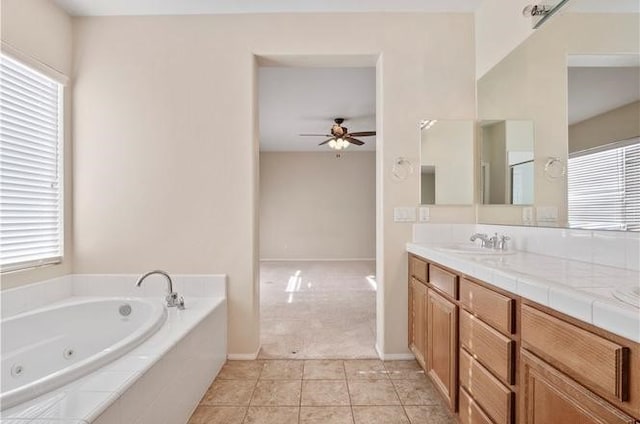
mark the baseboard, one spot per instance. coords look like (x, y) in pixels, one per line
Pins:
(244, 356)
(394, 356)
(315, 259)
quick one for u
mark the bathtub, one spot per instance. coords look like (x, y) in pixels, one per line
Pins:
(49, 347)
(157, 379)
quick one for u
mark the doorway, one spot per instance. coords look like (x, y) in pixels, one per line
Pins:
(317, 213)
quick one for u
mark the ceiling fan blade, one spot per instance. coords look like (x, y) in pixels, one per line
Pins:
(326, 141)
(362, 134)
(315, 135)
(354, 141)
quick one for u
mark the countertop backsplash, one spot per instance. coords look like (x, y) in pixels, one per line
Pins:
(611, 248)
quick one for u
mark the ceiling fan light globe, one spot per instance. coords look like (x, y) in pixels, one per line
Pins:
(332, 144)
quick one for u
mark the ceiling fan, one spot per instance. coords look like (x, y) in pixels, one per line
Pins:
(340, 137)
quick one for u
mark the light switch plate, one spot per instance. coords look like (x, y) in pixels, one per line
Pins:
(404, 214)
(547, 213)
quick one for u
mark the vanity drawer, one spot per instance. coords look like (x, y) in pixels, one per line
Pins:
(592, 360)
(490, 394)
(418, 268)
(443, 280)
(469, 411)
(492, 307)
(494, 350)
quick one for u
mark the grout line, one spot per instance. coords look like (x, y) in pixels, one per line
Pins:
(344, 369)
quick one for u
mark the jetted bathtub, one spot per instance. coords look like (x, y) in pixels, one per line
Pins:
(49, 347)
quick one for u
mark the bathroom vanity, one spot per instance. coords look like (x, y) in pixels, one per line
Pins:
(506, 356)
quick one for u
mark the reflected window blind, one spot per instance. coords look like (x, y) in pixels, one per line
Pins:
(604, 188)
(30, 173)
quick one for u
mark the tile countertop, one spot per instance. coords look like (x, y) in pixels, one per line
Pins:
(578, 289)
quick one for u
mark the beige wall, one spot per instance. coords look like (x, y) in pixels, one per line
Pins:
(40, 33)
(499, 28)
(531, 83)
(162, 182)
(615, 125)
(317, 206)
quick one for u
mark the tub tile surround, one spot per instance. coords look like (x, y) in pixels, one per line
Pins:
(572, 271)
(33, 296)
(173, 367)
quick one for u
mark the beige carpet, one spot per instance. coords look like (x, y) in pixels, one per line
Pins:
(317, 310)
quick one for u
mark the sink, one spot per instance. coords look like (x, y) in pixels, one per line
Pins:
(630, 295)
(474, 249)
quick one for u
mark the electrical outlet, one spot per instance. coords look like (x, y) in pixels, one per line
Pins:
(424, 214)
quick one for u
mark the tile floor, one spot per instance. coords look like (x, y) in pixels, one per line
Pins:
(321, 392)
(317, 310)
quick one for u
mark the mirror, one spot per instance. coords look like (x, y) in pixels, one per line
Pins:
(541, 80)
(446, 162)
(506, 162)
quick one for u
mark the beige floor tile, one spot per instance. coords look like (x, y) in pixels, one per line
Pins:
(404, 370)
(229, 392)
(380, 415)
(323, 370)
(326, 415)
(433, 414)
(373, 392)
(218, 415)
(277, 393)
(272, 415)
(241, 370)
(417, 392)
(325, 393)
(282, 370)
(367, 369)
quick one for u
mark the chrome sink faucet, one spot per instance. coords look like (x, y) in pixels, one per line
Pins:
(483, 237)
(172, 298)
(493, 242)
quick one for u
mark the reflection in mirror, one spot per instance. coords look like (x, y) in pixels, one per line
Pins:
(506, 162)
(446, 161)
(604, 144)
(533, 81)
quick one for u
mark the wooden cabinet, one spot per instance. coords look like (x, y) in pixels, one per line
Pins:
(442, 345)
(508, 360)
(418, 320)
(551, 397)
(596, 362)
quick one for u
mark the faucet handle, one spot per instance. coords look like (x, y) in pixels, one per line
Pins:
(502, 244)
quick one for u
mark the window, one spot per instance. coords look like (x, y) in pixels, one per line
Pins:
(31, 215)
(604, 187)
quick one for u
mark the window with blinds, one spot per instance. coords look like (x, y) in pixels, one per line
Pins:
(604, 187)
(31, 213)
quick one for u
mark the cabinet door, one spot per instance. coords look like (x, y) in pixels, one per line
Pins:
(442, 349)
(418, 320)
(551, 397)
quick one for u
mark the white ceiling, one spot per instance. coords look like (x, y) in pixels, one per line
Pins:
(196, 7)
(595, 90)
(294, 101)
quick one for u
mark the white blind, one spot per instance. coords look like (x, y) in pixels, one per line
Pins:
(30, 174)
(604, 188)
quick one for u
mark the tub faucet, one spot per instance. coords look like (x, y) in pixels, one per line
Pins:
(173, 299)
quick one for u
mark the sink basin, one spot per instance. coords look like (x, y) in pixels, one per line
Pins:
(474, 249)
(630, 295)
